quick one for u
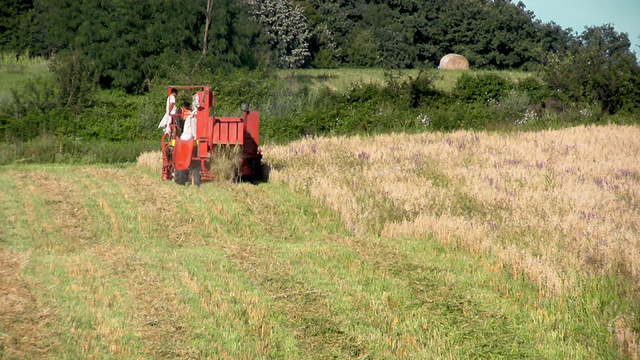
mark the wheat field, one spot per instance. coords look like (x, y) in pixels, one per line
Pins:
(557, 207)
(549, 204)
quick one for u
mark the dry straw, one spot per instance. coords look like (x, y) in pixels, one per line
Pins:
(151, 160)
(551, 204)
(224, 165)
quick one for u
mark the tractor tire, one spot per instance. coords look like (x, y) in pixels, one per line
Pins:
(195, 177)
(264, 172)
(260, 172)
(181, 177)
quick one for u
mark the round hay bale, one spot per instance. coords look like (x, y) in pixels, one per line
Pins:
(454, 62)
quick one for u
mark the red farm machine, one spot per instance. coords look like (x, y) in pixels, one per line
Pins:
(190, 157)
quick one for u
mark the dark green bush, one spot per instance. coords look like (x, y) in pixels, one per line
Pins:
(29, 111)
(362, 108)
(481, 88)
(105, 130)
(476, 116)
(534, 88)
(421, 90)
(243, 86)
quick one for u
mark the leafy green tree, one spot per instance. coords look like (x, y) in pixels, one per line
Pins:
(393, 25)
(323, 48)
(234, 40)
(14, 16)
(362, 49)
(134, 43)
(599, 68)
(491, 34)
(339, 20)
(76, 78)
(551, 38)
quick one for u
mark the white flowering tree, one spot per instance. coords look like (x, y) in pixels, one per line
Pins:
(285, 27)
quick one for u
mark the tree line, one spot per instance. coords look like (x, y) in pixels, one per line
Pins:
(132, 44)
(110, 60)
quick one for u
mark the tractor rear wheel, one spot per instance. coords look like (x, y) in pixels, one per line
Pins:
(195, 177)
(181, 177)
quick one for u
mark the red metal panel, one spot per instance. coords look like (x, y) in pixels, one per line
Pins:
(209, 133)
(203, 149)
(182, 154)
(239, 139)
(229, 131)
(224, 133)
(203, 99)
(253, 125)
(216, 132)
(233, 133)
(201, 125)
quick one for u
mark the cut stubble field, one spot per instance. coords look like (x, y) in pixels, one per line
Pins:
(458, 245)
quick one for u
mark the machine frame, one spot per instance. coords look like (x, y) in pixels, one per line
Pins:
(184, 158)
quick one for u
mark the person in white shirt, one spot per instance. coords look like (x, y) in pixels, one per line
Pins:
(170, 110)
(190, 123)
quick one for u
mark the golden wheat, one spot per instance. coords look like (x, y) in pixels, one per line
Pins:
(151, 160)
(549, 204)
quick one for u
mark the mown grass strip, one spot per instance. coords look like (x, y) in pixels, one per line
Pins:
(259, 271)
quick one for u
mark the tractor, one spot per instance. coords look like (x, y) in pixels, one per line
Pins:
(189, 157)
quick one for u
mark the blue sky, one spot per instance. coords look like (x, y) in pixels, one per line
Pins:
(623, 14)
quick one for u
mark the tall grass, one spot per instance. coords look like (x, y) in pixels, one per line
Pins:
(8, 59)
(559, 208)
(341, 79)
(17, 69)
(49, 149)
(529, 197)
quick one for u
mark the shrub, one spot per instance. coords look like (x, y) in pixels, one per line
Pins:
(243, 86)
(76, 78)
(481, 88)
(514, 105)
(48, 148)
(325, 59)
(29, 111)
(362, 49)
(421, 88)
(457, 116)
(536, 91)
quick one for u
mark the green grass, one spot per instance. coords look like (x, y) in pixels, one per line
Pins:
(118, 264)
(342, 79)
(49, 149)
(17, 71)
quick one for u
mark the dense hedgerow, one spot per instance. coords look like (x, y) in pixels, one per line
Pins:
(48, 149)
(290, 108)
